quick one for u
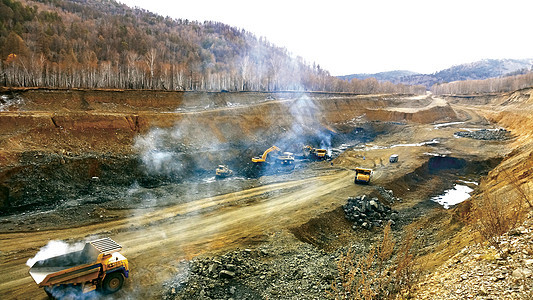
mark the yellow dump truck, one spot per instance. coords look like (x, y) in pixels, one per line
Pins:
(362, 175)
(286, 159)
(321, 153)
(315, 153)
(98, 266)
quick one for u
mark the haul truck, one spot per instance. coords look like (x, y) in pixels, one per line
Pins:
(362, 175)
(315, 153)
(98, 266)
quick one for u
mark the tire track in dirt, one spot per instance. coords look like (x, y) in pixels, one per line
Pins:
(180, 231)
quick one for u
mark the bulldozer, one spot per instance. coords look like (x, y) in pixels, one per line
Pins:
(222, 171)
(362, 175)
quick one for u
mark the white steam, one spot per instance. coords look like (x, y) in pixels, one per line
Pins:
(158, 151)
(52, 249)
(306, 115)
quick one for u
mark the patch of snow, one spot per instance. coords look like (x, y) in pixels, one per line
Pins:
(437, 126)
(454, 196)
(432, 142)
(468, 182)
(7, 102)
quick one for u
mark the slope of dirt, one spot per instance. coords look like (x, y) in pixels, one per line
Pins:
(480, 271)
(103, 146)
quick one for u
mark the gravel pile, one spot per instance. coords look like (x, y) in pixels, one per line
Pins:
(368, 212)
(486, 134)
(267, 272)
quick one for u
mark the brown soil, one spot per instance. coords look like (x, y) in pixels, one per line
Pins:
(82, 134)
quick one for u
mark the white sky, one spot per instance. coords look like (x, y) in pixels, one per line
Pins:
(369, 36)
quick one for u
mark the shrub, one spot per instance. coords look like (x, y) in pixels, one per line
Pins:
(380, 274)
(493, 216)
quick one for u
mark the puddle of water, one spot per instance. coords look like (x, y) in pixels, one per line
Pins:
(454, 196)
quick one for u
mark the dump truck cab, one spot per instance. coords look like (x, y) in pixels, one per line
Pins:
(98, 266)
(362, 175)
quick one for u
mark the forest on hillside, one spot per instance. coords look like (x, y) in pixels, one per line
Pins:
(490, 85)
(105, 44)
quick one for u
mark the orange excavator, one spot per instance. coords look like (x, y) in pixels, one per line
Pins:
(262, 159)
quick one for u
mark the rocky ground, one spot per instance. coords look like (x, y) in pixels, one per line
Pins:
(485, 272)
(275, 270)
(486, 134)
(368, 212)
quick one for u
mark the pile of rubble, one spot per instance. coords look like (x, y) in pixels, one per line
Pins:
(368, 212)
(485, 272)
(388, 195)
(486, 134)
(270, 271)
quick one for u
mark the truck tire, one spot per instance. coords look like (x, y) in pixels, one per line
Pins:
(49, 294)
(64, 292)
(112, 283)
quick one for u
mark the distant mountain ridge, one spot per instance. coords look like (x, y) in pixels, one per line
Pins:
(483, 69)
(381, 76)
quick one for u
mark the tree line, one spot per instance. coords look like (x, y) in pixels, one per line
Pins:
(105, 44)
(491, 85)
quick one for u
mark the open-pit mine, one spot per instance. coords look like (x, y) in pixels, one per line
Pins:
(139, 167)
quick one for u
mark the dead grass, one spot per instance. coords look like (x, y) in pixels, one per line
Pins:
(383, 273)
(493, 216)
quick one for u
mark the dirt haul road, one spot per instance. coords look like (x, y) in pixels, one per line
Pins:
(156, 241)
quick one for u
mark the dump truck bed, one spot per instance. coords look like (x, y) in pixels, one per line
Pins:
(43, 268)
(75, 267)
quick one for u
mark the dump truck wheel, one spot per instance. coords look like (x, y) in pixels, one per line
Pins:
(112, 283)
(49, 294)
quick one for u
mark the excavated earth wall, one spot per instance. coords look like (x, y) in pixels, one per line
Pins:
(56, 144)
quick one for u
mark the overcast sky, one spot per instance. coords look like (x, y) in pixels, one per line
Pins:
(370, 36)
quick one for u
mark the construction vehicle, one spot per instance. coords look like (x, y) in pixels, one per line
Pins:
(362, 175)
(98, 266)
(286, 159)
(315, 153)
(261, 159)
(222, 171)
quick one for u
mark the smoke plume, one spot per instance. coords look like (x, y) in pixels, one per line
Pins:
(52, 249)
